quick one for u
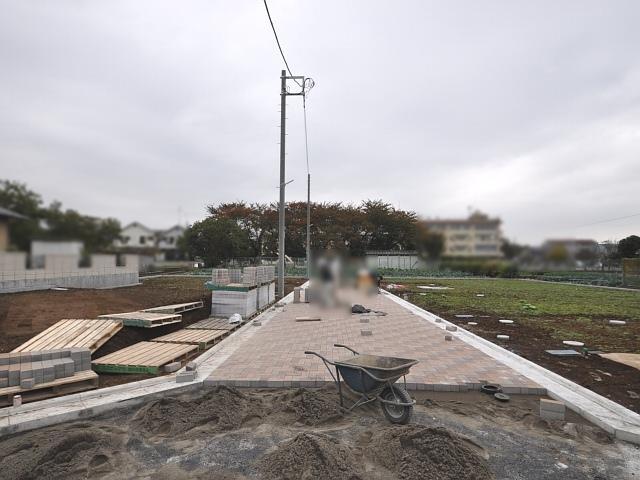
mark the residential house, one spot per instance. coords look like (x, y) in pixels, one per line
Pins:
(161, 244)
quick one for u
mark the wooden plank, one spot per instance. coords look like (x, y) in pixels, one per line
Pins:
(215, 324)
(69, 333)
(202, 338)
(144, 319)
(143, 357)
(176, 308)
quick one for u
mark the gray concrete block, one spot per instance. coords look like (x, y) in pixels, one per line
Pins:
(4, 359)
(58, 370)
(172, 367)
(4, 372)
(184, 377)
(26, 373)
(448, 338)
(549, 415)
(36, 356)
(27, 383)
(366, 333)
(552, 406)
(191, 366)
(364, 320)
(14, 359)
(56, 354)
(4, 382)
(14, 378)
(451, 328)
(46, 355)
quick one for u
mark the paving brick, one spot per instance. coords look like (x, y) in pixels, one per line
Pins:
(4, 382)
(183, 377)
(27, 383)
(172, 367)
(549, 415)
(552, 405)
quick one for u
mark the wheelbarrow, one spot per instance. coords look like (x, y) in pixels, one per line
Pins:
(373, 378)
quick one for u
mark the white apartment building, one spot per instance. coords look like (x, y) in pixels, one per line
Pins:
(476, 236)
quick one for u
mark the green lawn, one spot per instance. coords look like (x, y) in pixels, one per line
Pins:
(525, 299)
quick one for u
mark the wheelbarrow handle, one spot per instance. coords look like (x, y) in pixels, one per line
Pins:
(344, 346)
(309, 352)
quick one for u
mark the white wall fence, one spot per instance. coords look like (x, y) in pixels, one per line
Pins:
(65, 271)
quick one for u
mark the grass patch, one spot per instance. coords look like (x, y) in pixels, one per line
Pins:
(507, 297)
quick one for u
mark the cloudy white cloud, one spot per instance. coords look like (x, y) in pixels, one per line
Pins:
(527, 110)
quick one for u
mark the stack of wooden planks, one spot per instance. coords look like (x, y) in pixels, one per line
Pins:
(176, 308)
(215, 324)
(68, 333)
(143, 357)
(144, 319)
(203, 338)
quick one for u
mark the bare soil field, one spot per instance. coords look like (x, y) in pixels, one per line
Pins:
(561, 312)
(24, 315)
(227, 433)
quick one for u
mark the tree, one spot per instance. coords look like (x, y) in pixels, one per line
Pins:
(216, 240)
(510, 250)
(17, 197)
(558, 254)
(96, 234)
(587, 256)
(629, 247)
(430, 244)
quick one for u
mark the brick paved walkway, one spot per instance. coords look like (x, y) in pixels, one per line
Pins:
(274, 355)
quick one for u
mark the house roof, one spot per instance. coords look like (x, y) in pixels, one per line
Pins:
(6, 213)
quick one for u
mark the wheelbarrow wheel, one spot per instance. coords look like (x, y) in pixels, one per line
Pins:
(396, 413)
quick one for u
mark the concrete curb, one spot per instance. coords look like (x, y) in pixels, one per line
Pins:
(608, 415)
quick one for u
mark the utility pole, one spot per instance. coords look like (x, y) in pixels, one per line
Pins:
(283, 183)
(308, 226)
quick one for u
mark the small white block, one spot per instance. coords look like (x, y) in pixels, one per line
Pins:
(502, 337)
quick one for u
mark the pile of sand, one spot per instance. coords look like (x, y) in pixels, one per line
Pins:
(223, 408)
(70, 452)
(311, 407)
(309, 456)
(426, 453)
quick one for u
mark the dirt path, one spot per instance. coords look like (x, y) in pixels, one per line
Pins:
(225, 433)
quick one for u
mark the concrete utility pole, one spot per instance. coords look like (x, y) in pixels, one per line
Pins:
(283, 183)
(308, 226)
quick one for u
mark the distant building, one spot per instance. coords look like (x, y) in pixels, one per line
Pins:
(476, 236)
(576, 249)
(394, 259)
(6, 216)
(162, 244)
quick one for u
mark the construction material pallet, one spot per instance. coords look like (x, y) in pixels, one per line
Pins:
(81, 381)
(144, 319)
(176, 308)
(69, 333)
(143, 357)
(203, 338)
(215, 324)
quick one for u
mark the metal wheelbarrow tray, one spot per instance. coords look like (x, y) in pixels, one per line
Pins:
(373, 378)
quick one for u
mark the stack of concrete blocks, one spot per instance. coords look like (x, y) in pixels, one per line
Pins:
(220, 276)
(225, 303)
(27, 369)
(250, 276)
(235, 275)
(552, 409)
(65, 271)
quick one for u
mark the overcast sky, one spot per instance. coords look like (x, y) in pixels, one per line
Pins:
(150, 110)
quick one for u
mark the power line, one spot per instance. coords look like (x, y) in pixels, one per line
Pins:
(609, 220)
(278, 42)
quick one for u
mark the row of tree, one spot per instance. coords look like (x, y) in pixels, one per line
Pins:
(52, 222)
(242, 229)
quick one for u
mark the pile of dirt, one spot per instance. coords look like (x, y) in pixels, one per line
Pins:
(222, 409)
(427, 453)
(77, 451)
(309, 456)
(311, 407)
